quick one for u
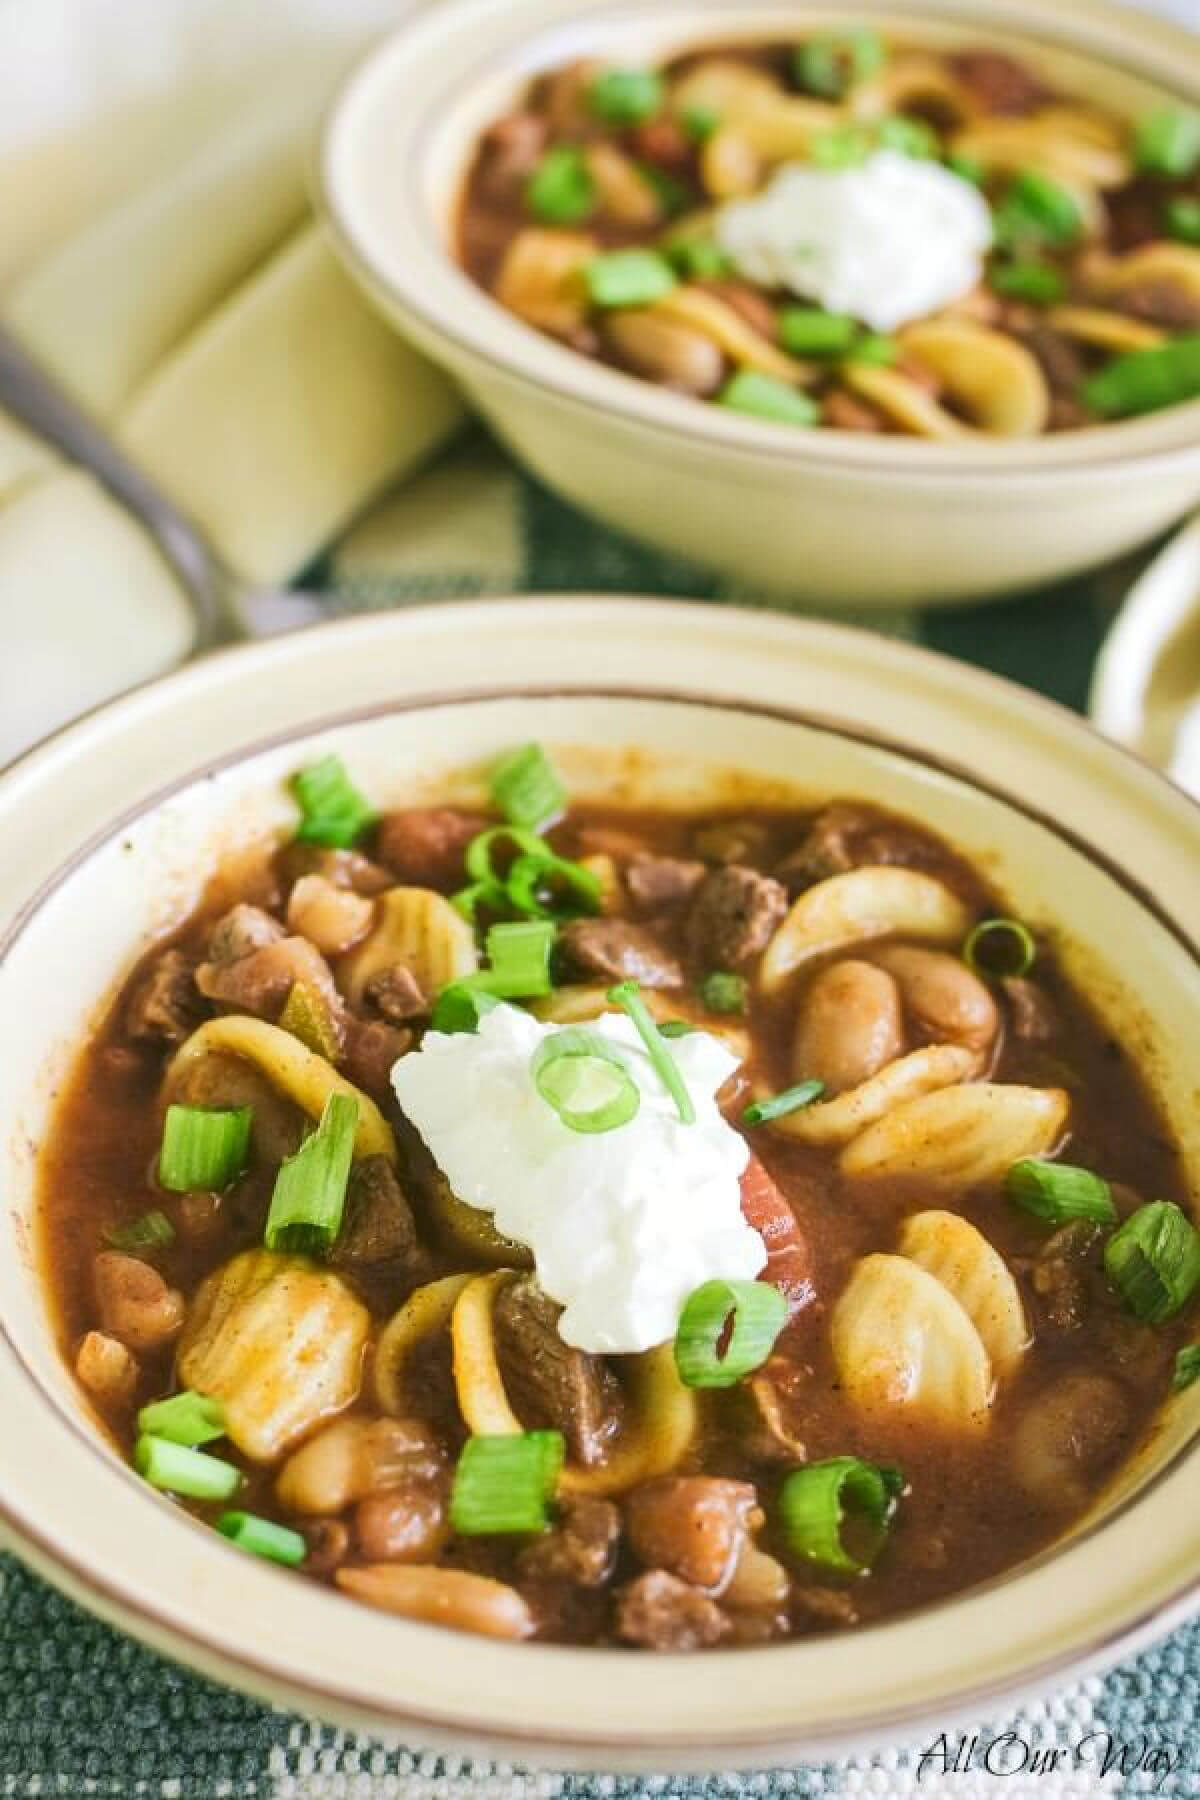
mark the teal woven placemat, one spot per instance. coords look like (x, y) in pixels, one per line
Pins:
(84, 1711)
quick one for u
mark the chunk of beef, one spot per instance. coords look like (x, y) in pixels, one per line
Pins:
(372, 1049)
(377, 1225)
(1000, 83)
(512, 148)
(694, 1526)
(424, 845)
(789, 1259)
(397, 994)
(260, 981)
(166, 1005)
(1031, 1012)
(1059, 1274)
(582, 1547)
(664, 142)
(616, 950)
(660, 1612)
(734, 915)
(662, 883)
(846, 836)
(240, 931)
(551, 1384)
(1134, 213)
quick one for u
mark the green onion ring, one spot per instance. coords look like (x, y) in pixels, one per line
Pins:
(571, 1062)
(812, 1506)
(1013, 941)
(702, 1356)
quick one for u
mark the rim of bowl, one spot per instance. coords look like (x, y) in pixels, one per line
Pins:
(212, 1643)
(416, 272)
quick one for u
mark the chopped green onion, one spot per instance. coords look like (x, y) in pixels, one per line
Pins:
(841, 147)
(727, 1329)
(626, 96)
(149, 1231)
(203, 1149)
(1167, 141)
(628, 278)
(460, 1007)
(526, 788)
(178, 1469)
(1039, 283)
(262, 1537)
(535, 869)
(1036, 210)
(723, 992)
(809, 331)
(1057, 1192)
(185, 1418)
(673, 1028)
(307, 1016)
(561, 190)
(813, 1503)
(779, 1105)
(700, 122)
(1142, 381)
(627, 995)
(763, 397)
(333, 812)
(874, 348)
(1153, 1261)
(586, 1080)
(999, 948)
(489, 894)
(1181, 217)
(701, 259)
(310, 1188)
(520, 960)
(1187, 1368)
(502, 1484)
(911, 137)
(827, 65)
(967, 168)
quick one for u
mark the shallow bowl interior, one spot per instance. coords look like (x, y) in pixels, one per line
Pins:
(109, 825)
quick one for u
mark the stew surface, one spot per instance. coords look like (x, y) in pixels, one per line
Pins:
(913, 1320)
(844, 232)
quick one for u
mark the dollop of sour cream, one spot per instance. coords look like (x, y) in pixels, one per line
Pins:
(623, 1224)
(889, 241)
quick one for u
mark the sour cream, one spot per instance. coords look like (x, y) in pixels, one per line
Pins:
(891, 240)
(623, 1224)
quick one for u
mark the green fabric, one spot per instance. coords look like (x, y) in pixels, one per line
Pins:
(85, 1711)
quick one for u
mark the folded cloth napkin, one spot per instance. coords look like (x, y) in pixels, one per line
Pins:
(198, 311)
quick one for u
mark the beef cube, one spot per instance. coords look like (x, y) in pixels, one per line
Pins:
(615, 950)
(397, 994)
(372, 1049)
(735, 914)
(661, 883)
(582, 1547)
(260, 981)
(377, 1226)
(166, 1005)
(424, 845)
(550, 1383)
(240, 931)
(660, 1612)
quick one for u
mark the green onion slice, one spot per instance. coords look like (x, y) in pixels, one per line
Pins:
(561, 190)
(262, 1537)
(178, 1469)
(628, 278)
(727, 1329)
(841, 147)
(626, 96)
(503, 1484)
(699, 258)
(828, 64)
(1181, 217)
(813, 1507)
(203, 1149)
(700, 122)
(911, 137)
(149, 1231)
(627, 995)
(460, 1007)
(810, 331)
(1036, 210)
(673, 1028)
(1167, 141)
(1038, 282)
(763, 397)
(520, 960)
(1144, 381)
(310, 1188)
(535, 871)
(1153, 1261)
(487, 894)
(724, 992)
(967, 168)
(777, 1106)
(1187, 1368)
(332, 810)
(185, 1418)
(586, 1080)
(1058, 1193)
(526, 788)
(875, 348)
(998, 948)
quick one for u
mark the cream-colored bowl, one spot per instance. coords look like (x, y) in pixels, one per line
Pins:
(831, 517)
(106, 830)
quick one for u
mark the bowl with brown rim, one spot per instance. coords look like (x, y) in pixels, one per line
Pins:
(108, 827)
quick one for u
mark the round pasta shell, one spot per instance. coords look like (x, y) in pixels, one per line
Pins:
(998, 383)
(954, 1252)
(901, 1340)
(871, 902)
(960, 1136)
(843, 1118)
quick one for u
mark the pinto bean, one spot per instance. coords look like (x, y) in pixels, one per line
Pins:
(401, 1524)
(942, 997)
(106, 1369)
(136, 1305)
(354, 1458)
(328, 1543)
(663, 350)
(1072, 1432)
(694, 1526)
(452, 1597)
(331, 917)
(850, 1025)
